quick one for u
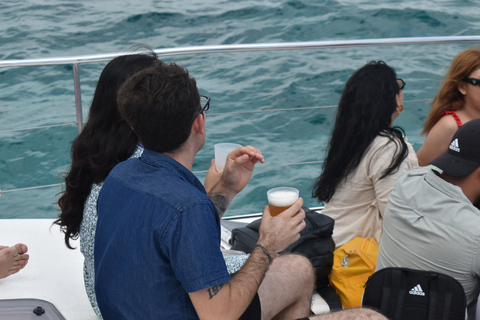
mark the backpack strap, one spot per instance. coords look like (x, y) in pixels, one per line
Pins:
(448, 300)
(447, 296)
(398, 275)
(444, 296)
(331, 297)
(441, 298)
(391, 296)
(433, 299)
(386, 288)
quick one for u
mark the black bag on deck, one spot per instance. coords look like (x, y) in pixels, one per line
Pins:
(401, 293)
(315, 242)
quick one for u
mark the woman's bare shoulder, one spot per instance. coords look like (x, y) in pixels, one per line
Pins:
(437, 140)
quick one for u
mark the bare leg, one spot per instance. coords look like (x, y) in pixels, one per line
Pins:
(12, 259)
(287, 289)
(351, 314)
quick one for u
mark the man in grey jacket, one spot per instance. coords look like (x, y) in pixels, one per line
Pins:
(432, 220)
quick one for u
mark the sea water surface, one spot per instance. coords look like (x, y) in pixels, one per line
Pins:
(282, 102)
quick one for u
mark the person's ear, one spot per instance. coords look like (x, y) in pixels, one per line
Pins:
(400, 108)
(199, 124)
(399, 101)
(462, 87)
(477, 175)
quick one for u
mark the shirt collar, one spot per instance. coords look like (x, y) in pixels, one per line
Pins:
(433, 178)
(160, 160)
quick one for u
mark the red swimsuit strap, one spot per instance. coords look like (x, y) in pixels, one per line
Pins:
(455, 116)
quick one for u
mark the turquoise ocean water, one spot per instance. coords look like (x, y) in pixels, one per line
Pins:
(240, 84)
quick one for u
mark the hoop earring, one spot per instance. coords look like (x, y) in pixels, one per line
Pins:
(401, 108)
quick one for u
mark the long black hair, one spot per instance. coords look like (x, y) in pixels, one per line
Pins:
(105, 141)
(365, 111)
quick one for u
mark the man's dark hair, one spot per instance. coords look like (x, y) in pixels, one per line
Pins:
(160, 103)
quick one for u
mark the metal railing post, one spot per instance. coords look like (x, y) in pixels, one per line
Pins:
(78, 97)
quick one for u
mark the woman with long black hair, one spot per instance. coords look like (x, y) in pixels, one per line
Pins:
(365, 155)
(105, 141)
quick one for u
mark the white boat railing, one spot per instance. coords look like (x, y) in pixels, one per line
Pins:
(77, 60)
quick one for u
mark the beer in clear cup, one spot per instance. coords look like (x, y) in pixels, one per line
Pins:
(280, 199)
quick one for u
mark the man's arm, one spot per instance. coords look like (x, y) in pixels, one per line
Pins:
(230, 300)
(238, 170)
(351, 314)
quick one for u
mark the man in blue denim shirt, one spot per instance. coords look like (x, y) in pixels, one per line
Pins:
(157, 245)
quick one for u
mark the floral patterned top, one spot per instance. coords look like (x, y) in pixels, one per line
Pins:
(87, 241)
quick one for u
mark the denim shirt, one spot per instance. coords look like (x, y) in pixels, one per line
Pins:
(157, 238)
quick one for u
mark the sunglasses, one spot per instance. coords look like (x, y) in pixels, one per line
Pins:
(472, 81)
(401, 83)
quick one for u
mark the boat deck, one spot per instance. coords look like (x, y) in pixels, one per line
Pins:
(55, 273)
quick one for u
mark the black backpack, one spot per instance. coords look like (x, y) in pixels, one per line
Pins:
(401, 293)
(315, 242)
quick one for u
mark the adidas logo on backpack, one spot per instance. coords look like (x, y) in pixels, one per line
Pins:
(417, 291)
(454, 146)
(389, 288)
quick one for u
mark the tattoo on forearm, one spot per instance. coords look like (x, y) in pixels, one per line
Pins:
(220, 202)
(212, 292)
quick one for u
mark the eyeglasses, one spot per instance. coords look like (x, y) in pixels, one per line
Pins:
(205, 102)
(473, 81)
(401, 83)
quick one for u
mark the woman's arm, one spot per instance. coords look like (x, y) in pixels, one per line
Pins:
(437, 140)
(379, 162)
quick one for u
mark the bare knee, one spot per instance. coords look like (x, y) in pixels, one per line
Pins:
(369, 314)
(297, 266)
(294, 277)
(297, 262)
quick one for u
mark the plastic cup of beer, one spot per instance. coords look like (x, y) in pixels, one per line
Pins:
(280, 199)
(221, 152)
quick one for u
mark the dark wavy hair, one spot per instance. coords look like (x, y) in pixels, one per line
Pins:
(365, 111)
(160, 101)
(105, 141)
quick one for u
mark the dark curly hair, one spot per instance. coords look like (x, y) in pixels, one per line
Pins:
(160, 101)
(105, 141)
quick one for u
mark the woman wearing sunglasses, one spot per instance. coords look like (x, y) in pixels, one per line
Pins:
(457, 102)
(366, 153)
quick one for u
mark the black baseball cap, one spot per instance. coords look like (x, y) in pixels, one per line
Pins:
(463, 154)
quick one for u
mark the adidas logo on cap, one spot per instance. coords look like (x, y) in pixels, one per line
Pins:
(463, 154)
(417, 291)
(454, 146)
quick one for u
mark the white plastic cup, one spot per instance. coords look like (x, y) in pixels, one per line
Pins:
(221, 152)
(280, 199)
